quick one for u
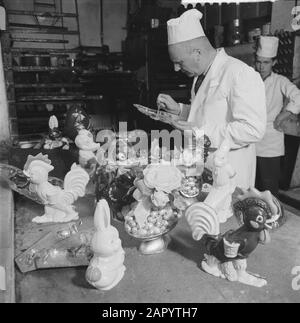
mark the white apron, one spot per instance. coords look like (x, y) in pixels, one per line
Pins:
(244, 162)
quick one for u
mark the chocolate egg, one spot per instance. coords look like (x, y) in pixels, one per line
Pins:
(128, 218)
(162, 212)
(150, 219)
(142, 232)
(154, 214)
(163, 229)
(156, 230)
(166, 216)
(151, 232)
(134, 230)
(165, 223)
(150, 226)
(128, 227)
(158, 219)
(159, 223)
(132, 223)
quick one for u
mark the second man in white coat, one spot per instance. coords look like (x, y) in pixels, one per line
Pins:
(278, 89)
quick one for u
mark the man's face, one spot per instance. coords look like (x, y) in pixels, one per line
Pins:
(190, 63)
(264, 66)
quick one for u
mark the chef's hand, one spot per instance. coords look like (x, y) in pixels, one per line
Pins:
(167, 103)
(284, 115)
(183, 125)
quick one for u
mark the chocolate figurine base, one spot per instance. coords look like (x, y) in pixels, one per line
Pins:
(157, 245)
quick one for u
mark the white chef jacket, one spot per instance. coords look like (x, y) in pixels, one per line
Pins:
(278, 88)
(232, 99)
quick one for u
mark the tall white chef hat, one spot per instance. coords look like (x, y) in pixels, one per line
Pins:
(186, 27)
(267, 46)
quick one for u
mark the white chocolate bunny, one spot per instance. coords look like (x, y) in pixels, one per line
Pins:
(106, 268)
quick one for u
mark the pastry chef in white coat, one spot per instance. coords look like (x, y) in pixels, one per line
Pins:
(228, 96)
(278, 89)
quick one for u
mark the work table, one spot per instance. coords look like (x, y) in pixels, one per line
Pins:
(172, 276)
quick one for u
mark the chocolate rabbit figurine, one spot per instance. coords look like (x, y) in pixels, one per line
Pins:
(106, 268)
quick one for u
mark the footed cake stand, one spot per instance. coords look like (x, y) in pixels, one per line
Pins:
(156, 243)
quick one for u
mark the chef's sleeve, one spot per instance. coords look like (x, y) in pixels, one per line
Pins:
(292, 93)
(184, 111)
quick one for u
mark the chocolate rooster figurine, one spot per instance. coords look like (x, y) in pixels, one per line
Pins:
(227, 255)
(58, 202)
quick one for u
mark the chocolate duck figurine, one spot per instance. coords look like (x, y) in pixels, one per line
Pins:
(227, 255)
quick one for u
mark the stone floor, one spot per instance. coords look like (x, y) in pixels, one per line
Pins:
(173, 276)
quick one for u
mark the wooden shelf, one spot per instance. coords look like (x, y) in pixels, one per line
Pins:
(36, 29)
(48, 32)
(45, 50)
(39, 40)
(56, 96)
(46, 85)
(38, 136)
(34, 26)
(41, 98)
(55, 100)
(40, 13)
(44, 4)
(40, 68)
(26, 98)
